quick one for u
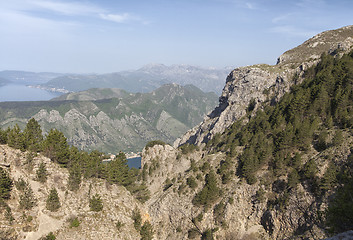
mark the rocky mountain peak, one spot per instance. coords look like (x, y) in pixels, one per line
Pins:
(260, 83)
(337, 41)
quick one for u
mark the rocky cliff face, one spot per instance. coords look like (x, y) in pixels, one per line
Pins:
(262, 83)
(242, 211)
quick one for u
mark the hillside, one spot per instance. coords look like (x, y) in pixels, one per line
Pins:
(281, 169)
(262, 83)
(30, 211)
(280, 166)
(124, 121)
(145, 79)
(94, 94)
(23, 77)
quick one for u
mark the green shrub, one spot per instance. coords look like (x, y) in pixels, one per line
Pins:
(74, 222)
(210, 192)
(119, 225)
(27, 198)
(188, 148)
(50, 236)
(42, 173)
(136, 216)
(146, 231)
(153, 143)
(193, 233)
(21, 184)
(95, 203)
(191, 182)
(74, 178)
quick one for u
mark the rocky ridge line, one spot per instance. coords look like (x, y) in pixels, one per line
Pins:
(266, 83)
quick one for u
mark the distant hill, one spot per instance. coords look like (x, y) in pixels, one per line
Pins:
(124, 121)
(4, 81)
(145, 79)
(94, 94)
(23, 77)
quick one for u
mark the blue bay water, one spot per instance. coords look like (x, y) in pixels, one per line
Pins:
(134, 162)
(14, 92)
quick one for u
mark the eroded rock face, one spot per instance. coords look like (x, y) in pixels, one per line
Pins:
(242, 85)
(266, 83)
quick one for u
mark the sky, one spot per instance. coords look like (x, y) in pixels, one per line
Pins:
(102, 36)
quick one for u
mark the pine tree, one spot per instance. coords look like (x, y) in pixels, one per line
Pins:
(55, 147)
(210, 192)
(33, 135)
(5, 184)
(42, 173)
(74, 177)
(15, 138)
(53, 201)
(27, 198)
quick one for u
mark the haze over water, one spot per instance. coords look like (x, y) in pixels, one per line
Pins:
(14, 92)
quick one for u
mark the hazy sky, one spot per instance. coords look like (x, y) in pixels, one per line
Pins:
(112, 35)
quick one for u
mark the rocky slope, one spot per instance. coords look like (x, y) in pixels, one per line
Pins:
(241, 213)
(126, 122)
(244, 211)
(38, 222)
(262, 83)
(201, 192)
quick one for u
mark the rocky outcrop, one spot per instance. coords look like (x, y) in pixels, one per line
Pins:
(37, 222)
(260, 83)
(248, 211)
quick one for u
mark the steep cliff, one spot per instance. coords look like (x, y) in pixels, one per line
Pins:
(261, 83)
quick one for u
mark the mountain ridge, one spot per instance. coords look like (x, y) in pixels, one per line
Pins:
(263, 82)
(127, 122)
(145, 79)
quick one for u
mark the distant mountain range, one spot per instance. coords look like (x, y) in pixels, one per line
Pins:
(111, 120)
(23, 77)
(145, 79)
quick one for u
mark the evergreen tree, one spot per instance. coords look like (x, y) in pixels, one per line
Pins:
(56, 148)
(53, 201)
(5, 184)
(74, 177)
(42, 173)
(15, 138)
(33, 135)
(27, 198)
(3, 136)
(210, 192)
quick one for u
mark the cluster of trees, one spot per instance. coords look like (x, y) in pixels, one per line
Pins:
(301, 118)
(80, 164)
(278, 134)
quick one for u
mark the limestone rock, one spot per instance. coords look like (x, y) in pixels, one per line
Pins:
(261, 82)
